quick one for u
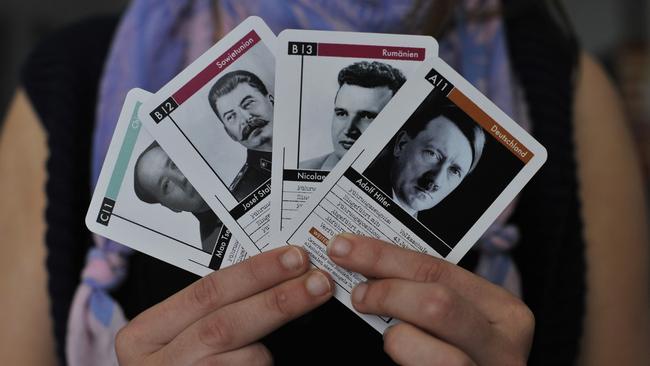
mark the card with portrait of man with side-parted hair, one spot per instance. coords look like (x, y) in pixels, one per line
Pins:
(331, 86)
(431, 174)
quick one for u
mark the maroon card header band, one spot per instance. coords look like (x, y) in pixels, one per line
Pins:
(216, 67)
(366, 51)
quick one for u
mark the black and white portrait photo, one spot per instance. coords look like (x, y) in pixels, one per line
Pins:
(362, 90)
(430, 157)
(229, 121)
(244, 106)
(442, 168)
(157, 181)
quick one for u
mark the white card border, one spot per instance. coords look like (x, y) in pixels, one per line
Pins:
(384, 127)
(213, 191)
(139, 239)
(285, 69)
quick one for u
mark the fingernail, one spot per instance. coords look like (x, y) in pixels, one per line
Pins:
(359, 292)
(291, 259)
(317, 284)
(339, 247)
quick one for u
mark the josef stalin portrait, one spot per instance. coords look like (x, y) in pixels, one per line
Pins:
(244, 106)
(429, 157)
(364, 89)
(157, 180)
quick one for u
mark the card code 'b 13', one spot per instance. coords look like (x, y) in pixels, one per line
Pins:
(330, 86)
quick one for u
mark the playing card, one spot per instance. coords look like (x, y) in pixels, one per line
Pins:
(330, 87)
(431, 174)
(215, 119)
(142, 200)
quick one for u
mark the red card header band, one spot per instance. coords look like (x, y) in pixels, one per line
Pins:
(216, 67)
(366, 51)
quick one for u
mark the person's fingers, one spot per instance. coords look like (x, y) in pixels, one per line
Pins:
(250, 319)
(161, 323)
(255, 354)
(378, 259)
(408, 345)
(434, 308)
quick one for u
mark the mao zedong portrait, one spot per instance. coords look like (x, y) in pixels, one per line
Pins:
(244, 106)
(364, 89)
(157, 180)
(429, 157)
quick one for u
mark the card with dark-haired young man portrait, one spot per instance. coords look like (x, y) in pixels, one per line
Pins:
(331, 86)
(144, 201)
(215, 120)
(431, 174)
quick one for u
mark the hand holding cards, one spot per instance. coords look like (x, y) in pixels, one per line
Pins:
(374, 135)
(431, 173)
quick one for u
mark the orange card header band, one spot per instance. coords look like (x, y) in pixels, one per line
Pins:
(490, 125)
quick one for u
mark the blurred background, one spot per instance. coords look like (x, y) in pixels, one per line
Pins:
(616, 32)
(24, 22)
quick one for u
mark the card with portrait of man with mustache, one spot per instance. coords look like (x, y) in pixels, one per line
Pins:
(432, 172)
(444, 167)
(215, 120)
(244, 106)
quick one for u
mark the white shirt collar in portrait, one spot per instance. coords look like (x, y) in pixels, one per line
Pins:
(404, 206)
